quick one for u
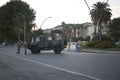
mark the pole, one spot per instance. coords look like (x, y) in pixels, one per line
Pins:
(44, 22)
(107, 1)
(87, 6)
(25, 46)
(18, 42)
(118, 35)
(92, 19)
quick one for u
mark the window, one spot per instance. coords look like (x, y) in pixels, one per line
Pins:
(37, 39)
(49, 38)
(43, 38)
(58, 37)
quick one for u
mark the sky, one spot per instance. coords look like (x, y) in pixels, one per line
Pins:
(54, 12)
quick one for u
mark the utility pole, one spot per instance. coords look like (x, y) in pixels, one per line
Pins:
(107, 1)
(25, 45)
(87, 5)
(18, 42)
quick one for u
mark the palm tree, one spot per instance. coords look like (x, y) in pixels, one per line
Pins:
(78, 26)
(100, 14)
(64, 29)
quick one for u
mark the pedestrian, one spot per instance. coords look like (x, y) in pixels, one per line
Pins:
(78, 46)
(18, 47)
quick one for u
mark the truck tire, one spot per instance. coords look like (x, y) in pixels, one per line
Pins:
(57, 50)
(35, 50)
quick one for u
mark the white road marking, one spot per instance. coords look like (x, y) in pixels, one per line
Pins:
(54, 67)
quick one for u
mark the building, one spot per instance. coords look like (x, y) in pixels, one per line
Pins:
(87, 30)
(77, 30)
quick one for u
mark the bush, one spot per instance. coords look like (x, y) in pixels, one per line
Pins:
(74, 39)
(80, 38)
(91, 44)
(103, 38)
(105, 44)
(87, 38)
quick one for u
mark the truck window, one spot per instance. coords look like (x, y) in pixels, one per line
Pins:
(49, 38)
(58, 37)
(42, 38)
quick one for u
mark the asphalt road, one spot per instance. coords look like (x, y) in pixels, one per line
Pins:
(65, 66)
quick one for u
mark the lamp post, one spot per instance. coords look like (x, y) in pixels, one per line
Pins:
(44, 22)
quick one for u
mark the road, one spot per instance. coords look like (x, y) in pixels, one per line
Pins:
(65, 66)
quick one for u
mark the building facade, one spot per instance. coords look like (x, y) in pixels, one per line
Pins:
(81, 30)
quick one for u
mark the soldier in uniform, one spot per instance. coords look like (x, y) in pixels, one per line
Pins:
(18, 47)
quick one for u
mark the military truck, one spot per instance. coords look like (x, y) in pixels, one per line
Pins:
(48, 42)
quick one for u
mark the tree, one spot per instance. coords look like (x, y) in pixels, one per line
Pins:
(13, 16)
(38, 32)
(78, 26)
(100, 14)
(115, 29)
(64, 28)
(56, 31)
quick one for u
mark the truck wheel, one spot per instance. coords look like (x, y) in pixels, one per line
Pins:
(57, 50)
(35, 50)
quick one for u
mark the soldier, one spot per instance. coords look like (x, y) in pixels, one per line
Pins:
(18, 47)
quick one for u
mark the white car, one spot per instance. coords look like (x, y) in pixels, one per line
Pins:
(72, 46)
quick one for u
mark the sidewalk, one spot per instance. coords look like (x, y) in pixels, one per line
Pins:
(92, 50)
(101, 51)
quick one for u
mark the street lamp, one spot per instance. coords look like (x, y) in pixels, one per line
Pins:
(44, 22)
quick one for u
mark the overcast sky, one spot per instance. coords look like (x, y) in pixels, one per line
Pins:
(69, 11)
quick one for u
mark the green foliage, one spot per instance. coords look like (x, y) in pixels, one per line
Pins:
(105, 44)
(95, 38)
(115, 29)
(80, 38)
(12, 17)
(91, 44)
(105, 38)
(56, 31)
(38, 32)
(74, 39)
(87, 38)
(101, 13)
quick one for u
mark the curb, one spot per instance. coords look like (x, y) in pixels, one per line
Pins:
(102, 51)
(96, 51)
